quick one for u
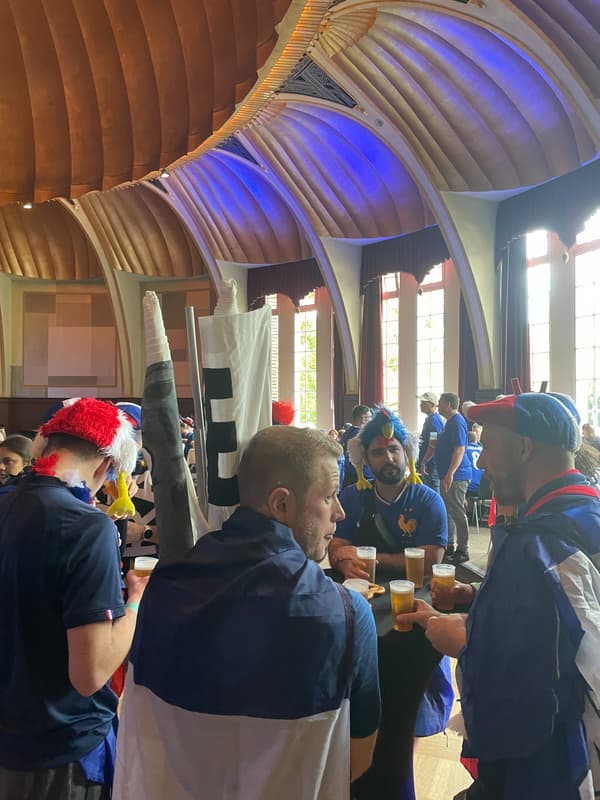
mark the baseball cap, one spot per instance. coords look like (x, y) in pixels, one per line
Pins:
(429, 397)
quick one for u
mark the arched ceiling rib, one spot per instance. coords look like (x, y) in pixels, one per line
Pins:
(141, 233)
(100, 92)
(574, 27)
(349, 182)
(45, 242)
(479, 113)
(242, 217)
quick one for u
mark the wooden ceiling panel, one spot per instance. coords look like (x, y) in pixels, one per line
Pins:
(45, 242)
(94, 93)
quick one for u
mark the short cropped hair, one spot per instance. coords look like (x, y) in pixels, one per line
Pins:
(450, 397)
(282, 456)
(359, 411)
(81, 448)
(472, 437)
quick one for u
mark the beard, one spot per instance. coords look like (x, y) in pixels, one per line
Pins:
(390, 474)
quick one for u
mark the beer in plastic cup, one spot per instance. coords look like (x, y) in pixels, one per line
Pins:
(369, 556)
(357, 585)
(414, 564)
(443, 582)
(402, 595)
(143, 565)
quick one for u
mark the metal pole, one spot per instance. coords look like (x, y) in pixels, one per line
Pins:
(199, 422)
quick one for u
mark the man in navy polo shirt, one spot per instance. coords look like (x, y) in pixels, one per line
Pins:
(455, 471)
(63, 623)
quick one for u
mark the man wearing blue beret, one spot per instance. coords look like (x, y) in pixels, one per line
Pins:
(529, 650)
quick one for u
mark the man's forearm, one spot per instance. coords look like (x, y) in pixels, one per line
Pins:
(457, 456)
(428, 456)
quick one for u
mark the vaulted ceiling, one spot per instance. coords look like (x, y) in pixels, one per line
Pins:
(283, 123)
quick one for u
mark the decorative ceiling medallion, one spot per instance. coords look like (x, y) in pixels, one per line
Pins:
(310, 80)
(341, 30)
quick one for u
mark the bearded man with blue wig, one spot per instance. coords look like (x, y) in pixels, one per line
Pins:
(392, 512)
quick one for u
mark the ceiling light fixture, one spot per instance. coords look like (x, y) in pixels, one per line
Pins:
(28, 205)
(164, 173)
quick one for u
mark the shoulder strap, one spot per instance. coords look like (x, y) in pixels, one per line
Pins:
(349, 653)
(370, 511)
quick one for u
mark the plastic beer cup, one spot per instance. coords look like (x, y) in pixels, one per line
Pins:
(357, 585)
(443, 583)
(369, 556)
(414, 564)
(143, 565)
(402, 596)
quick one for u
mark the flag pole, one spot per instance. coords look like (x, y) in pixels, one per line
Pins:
(199, 423)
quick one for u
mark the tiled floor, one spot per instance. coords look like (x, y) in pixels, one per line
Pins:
(479, 543)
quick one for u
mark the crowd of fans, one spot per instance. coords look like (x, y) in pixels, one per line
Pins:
(252, 673)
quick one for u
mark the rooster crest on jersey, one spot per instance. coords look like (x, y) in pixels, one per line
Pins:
(386, 425)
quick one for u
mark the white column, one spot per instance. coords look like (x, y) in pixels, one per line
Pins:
(286, 348)
(562, 321)
(324, 360)
(407, 399)
(451, 329)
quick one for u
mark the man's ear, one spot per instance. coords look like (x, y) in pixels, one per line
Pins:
(527, 449)
(280, 504)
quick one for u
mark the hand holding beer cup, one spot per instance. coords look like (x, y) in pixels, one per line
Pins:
(135, 586)
(349, 564)
(447, 633)
(442, 585)
(462, 594)
(368, 556)
(421, 614)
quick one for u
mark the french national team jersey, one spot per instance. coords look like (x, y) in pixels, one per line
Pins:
(416, 518)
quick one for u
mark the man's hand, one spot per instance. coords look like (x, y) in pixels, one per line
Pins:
(136, 586)
(349, 564)
(448, 634)
(446, 484)
(421, 615)
(463, 594)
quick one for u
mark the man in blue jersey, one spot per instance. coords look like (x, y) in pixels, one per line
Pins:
(529, 651)
(253, 675)
(455, 471)
(432, 427)
(391, 512)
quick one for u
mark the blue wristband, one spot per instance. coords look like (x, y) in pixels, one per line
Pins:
(133, 605)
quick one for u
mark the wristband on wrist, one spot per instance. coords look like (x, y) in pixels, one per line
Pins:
(133, 605)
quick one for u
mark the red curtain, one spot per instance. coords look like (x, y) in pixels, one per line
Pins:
(371, 355)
